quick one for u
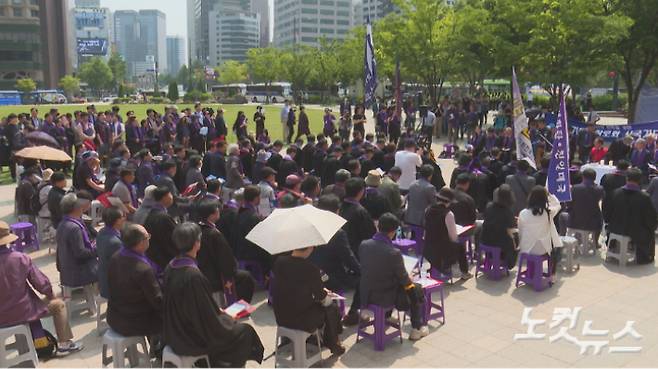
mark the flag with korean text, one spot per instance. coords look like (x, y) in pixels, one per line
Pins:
(370, 68)
(558, 181)
(522, 135)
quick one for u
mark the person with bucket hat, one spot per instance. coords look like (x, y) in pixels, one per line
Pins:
(19, 304)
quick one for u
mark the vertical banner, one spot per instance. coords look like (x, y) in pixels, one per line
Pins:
(370, 69)
(558, 181)
(523, 144)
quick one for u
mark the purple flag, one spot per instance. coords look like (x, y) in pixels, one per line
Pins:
(370, 68)
(558, 181)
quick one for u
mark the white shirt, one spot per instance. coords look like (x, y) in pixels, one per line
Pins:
(407, 161)
(537, 233)
(284, 113)
(428, 121)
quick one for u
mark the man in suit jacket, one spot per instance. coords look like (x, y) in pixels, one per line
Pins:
(521, 184)
(384, 279)
(422, 194)
(108, 242)
(360, 225)
(633, 215)
(464, 206)
(585, 211)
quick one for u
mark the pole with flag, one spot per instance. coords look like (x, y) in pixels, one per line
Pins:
(558, 180)
(523, 145)
(370, 69)
(398, 90)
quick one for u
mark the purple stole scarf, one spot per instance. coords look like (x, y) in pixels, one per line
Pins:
(632, 187)
(351, 201)
(637, 158)
(85, 235)
(382, 238)
(133, 194)
(143, 258)
(183, 262)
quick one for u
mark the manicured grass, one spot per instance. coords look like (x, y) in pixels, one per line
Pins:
(272, 114)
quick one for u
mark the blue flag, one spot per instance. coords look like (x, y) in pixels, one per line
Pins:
(370, 68)
(558, 181)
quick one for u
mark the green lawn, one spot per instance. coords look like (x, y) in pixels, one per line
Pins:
(272, 122)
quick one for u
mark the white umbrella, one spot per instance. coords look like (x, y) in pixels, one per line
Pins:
(295, 228)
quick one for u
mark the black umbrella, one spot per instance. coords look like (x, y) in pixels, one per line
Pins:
(42, 138)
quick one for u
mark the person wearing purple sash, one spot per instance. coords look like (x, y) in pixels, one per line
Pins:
(328, 128)
(640, 157)
(135, 297)
(76, 254)
(125, 190)
(19, 304)
(145, 174)
(48, 124)
(193, 322)
(108, 242)
(134, 135)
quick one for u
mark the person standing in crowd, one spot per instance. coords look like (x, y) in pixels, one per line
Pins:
(259, 119)
(160, 226)
(215, 258)
(290, 124)
(135, 297)
(585, 211)
(441, 247)
(633, 215)
(359, 120)
(408, 160)
(19, 304)
(24, 196)
(285, 111)
(421, 195)
(304, 127)
(620, 149)
(359, 225)
(77, 260)
(108, 242)
(193, 323)
(499, 224)
(537, 232)
(384, 280)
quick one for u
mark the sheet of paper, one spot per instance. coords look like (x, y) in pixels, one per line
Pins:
(463, 229)
(235, 309)
(410, 263)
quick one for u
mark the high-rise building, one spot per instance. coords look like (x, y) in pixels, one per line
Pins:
(33, 45)
(307, 21)
(92, 32)
(87, 3)
(198, 35)
(175, 53)
(262, 8)
(233, 29)
(141, 38)
(376, 9)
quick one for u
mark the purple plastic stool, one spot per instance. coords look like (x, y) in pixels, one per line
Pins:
(380, 324)
(27, 236)
(404, 245)
(429, 304)
(255, 269)
(418, 236)
(467, 241)
(534, 272)
(341, 303)
(490, 263)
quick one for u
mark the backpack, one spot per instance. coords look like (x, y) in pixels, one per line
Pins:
(36, 204)
(46, 346)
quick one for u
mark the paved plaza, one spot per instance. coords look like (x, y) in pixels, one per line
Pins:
(482, 318)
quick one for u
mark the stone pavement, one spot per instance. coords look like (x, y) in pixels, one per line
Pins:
(482, 317)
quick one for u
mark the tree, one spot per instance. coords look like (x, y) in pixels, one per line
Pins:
(296, 67)
(172, 93)
(70, 85)
(26, 85)
(97, 74)
(118, 67)
(638, 50)
(232, 71)
(325, 66)
(264, 65)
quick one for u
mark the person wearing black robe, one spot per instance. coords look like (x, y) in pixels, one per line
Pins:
(193, 323)
(300, 300)
(160, 226)
(216, 259)
(633, 215)
(610, 183)
(620, 149)
(359, 226)
(246, 220)
(330, 165)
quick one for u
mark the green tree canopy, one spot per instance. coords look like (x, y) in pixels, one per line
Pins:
(118, 67)
(172, 92)
(232, 71)
(97, 74)
(265, 65)
(26, 85)
(70, 85)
